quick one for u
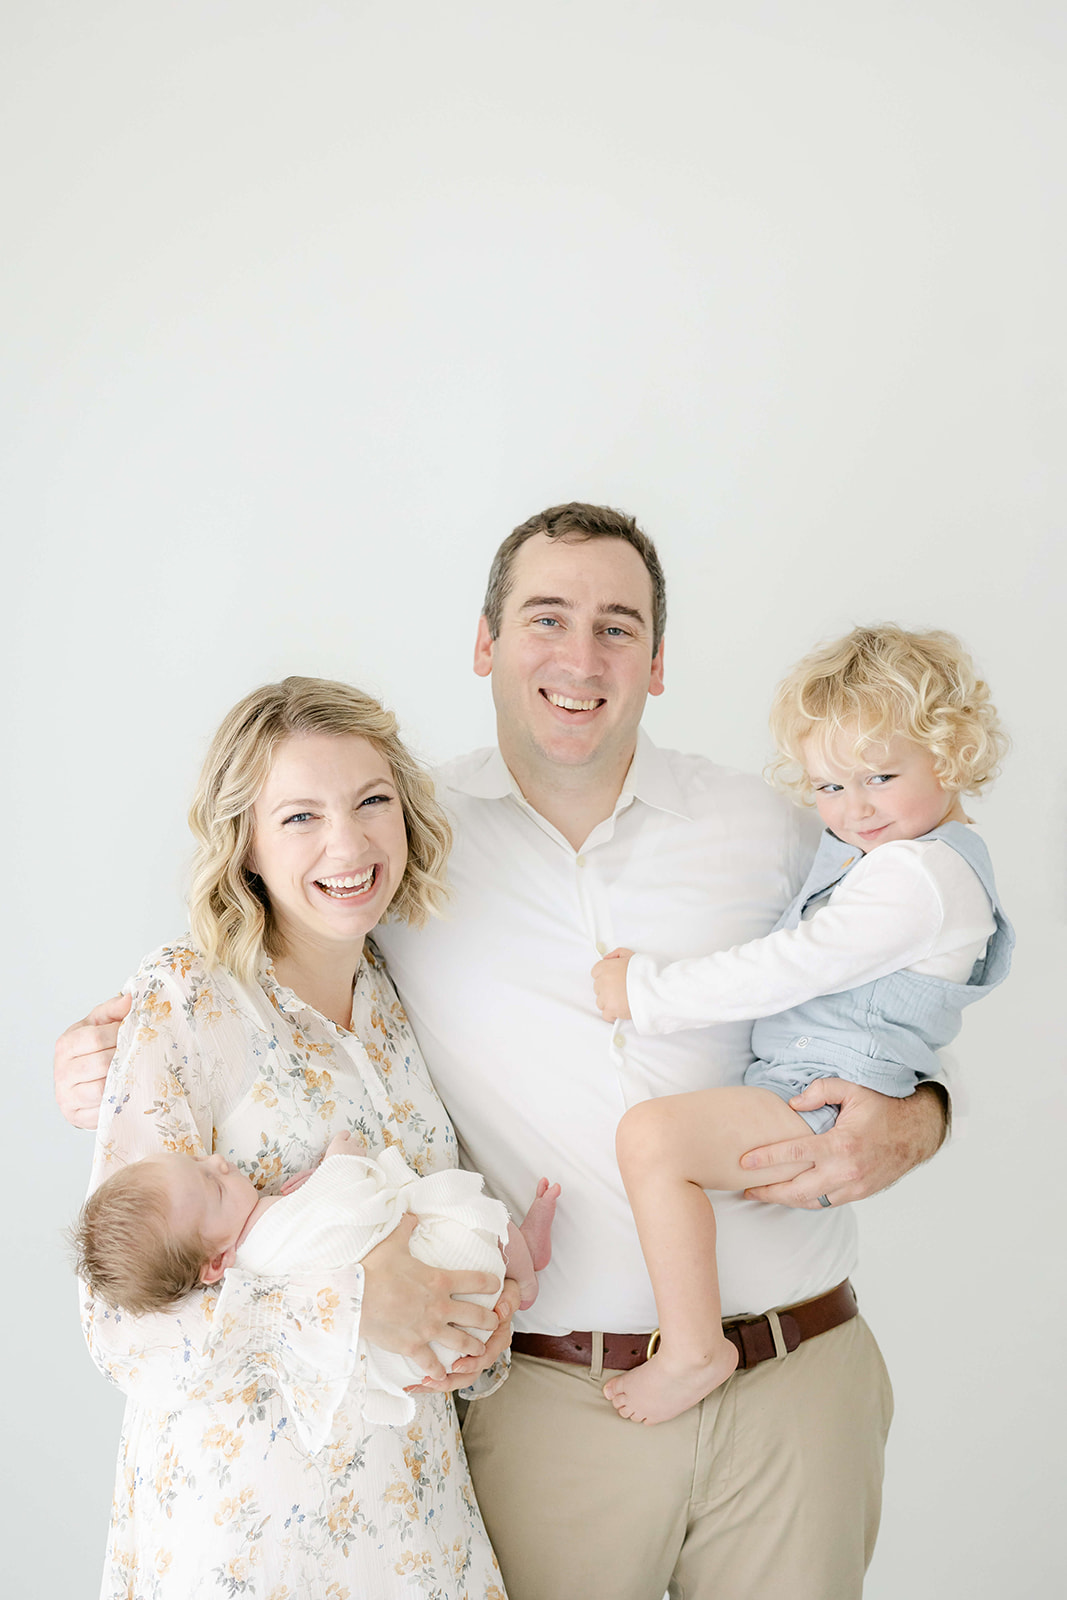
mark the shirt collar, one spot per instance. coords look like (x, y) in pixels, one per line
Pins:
(290, 1004)
(649, 779)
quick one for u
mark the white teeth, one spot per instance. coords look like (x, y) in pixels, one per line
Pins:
(336, 885)
(571, 705)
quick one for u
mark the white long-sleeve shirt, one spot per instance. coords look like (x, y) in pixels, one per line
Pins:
(911, 904)
(694, 858)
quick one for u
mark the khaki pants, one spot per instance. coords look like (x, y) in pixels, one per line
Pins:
(771, 1486)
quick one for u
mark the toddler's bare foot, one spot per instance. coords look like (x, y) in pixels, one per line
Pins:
(659, 1390)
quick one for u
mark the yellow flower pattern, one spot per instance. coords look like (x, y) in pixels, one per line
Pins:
(214, 1493)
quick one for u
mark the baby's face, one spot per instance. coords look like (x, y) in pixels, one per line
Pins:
(208, 1197)
(894, 795)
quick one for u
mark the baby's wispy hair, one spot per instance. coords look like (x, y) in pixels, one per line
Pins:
(125, 1248)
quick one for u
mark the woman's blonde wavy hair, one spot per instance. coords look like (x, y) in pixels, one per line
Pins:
(881, 683)
(230, 915)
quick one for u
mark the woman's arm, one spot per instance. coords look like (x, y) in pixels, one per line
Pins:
(158, 1098)
(179, 1049)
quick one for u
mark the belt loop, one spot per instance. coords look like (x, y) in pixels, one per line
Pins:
(596, 1364)
(776, 1334)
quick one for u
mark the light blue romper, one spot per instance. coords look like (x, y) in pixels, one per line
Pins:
(884, 1034)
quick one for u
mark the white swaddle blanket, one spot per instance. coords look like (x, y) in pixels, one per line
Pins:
(349, 1205)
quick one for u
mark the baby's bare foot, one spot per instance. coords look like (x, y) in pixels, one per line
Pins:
(659, 1390)
(536, 1226)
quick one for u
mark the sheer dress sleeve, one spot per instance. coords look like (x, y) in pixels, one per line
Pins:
(184, 1051)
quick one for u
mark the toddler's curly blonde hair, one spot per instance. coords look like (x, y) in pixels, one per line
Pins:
(881, 683)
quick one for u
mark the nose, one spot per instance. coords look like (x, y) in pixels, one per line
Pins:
(348, 837)
(859, 806)
(217, 1163)
(580, 652)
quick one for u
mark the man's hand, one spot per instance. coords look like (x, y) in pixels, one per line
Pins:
(467, 1368)
(609, 983)
(83, 1055)
(407, 1304)
(875, 1141)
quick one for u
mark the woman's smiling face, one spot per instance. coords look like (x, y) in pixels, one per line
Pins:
(330, 843)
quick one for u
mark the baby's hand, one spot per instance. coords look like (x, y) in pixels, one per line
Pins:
(297, 1181)
(342, 1144)
(609, 982)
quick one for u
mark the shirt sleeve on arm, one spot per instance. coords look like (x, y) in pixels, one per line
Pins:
(883, 917)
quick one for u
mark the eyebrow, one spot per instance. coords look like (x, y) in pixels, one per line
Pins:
(608, 608)
(305, 801)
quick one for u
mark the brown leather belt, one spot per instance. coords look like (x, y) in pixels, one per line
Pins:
(753, 1336)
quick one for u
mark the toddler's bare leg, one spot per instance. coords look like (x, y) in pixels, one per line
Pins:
(670, 1150)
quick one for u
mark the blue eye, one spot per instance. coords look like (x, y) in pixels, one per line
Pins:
(881, 777)
(377, 800)
(829, 788)
(298, 816)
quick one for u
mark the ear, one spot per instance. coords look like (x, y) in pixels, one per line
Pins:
(656, 681)
(483, 650)
(212, 1270)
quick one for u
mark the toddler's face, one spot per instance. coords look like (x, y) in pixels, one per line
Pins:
(894, 796)
(208, 1197)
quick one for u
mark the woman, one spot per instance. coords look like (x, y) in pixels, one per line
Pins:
(245, 1466)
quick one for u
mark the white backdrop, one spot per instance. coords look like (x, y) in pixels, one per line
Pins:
(309, 303)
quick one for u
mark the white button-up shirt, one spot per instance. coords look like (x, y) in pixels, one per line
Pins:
(694, 858)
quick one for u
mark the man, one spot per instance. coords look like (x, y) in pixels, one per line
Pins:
(578, 836)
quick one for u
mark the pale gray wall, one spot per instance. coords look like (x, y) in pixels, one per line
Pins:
(308, 304)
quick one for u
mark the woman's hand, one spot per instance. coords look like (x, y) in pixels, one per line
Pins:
(467, 1368)
(83, 1055)
(406, 1304)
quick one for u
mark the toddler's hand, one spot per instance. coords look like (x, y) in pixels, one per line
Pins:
(609, 983)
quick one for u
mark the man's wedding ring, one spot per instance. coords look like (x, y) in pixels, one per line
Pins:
(823, 1201)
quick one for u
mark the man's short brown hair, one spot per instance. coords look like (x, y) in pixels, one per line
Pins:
(578, 522)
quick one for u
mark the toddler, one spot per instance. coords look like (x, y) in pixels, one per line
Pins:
(896, 929)
(157, 1228)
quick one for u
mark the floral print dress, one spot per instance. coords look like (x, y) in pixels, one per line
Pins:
(245, 1465)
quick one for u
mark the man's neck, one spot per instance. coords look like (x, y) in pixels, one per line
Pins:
(573, 799)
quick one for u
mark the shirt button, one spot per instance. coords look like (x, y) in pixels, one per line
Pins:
(579, 861)
(618, 1041)
(801, 1042)
(601, 948)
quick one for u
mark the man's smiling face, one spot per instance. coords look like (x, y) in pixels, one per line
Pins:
(573, 663)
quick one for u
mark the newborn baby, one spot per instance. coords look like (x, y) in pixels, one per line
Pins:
(153, 1231)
